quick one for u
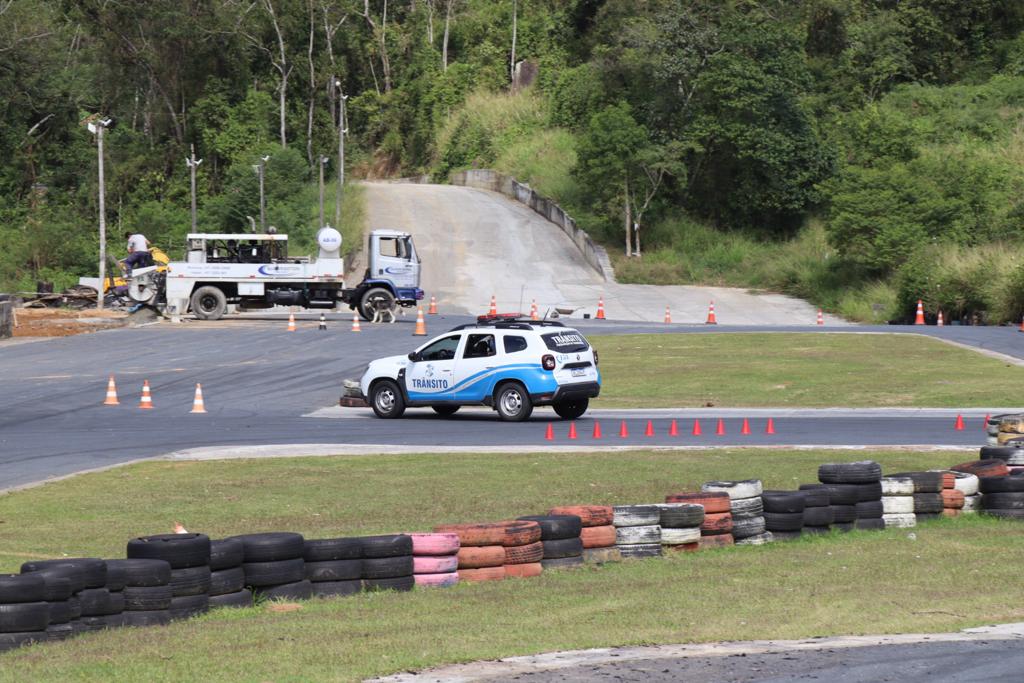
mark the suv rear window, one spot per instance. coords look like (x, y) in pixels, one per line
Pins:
(565, 342)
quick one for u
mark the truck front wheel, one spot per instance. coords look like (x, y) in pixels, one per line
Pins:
(209, 303)
(374, 299)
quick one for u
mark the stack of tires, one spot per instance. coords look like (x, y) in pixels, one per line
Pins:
(116, 578)
(524, 549)
(65, 609)
(967, 484)
(227, 577)
(24, 610)
(817, 517)
(435, 559)
(1002, 496)
(928, 503)
(388, 562)
(481, 555)
(898, 502)
(784, 513)
(680, 526)
(91, 600)
(333, 566)
(992, 429)
(637, 530)
(952, 499)
(716, 529)
(1012, 453)
(745, 507)
(597, 532)
(189, 557)
(273, 565)
(855, 494)
(147, 591)
(560, 536)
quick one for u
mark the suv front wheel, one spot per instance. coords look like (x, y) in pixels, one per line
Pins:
(570, 410)
(513, 403)
(386, 399)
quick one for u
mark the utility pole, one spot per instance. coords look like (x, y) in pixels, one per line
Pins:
(96, 125)
(259, 168)
(193, 164)
(323, 162)
(342, 132)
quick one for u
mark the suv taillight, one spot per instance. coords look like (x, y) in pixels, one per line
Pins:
(548, 362)
(595, 356)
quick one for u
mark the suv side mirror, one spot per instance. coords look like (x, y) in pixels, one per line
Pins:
(413, 356)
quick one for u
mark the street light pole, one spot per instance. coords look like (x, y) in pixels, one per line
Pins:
(323, 162)
(193, 164)
(342, 131)
(96, 125)
(259, 168)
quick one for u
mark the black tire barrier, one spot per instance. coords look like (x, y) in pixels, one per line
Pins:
(190, 581)
(60, 612)
(186, 606)
(1006, 514)
(333, 549)
(24, 588)
(759, 539)
(747, 508)
(1011, 455)
(158, 617)
(783, 502)
(928, 503)
(58, 632)
(843, 514)
(96, 602)
(75, 605)
(334, 570)
(869, 509)
(564, 547)
(747, 527)
(274, 572)
(56, 586)
(401, 583)
(868, 492)
(680, 515)
(393, 545)
(815, 495)
(88, 624)
(818, 516)
(631, 552)
(842, 494)
(24, 616)
(141, 573)
(114, 620)
(84, 572)
(117, 576)
(388, 567)
(178, 550)
(556, 563)
(1003, 501)
(927, 516)
(242, 598)
(870, 523)
(630, 535)
(924, 482)
(271, 547)
(1001, 484)
(737, 490)
(329, 589)
(816, 530)
(227, 581)
(862, 472)
(844, 527)
(226, 553)
(557, 527)
(783, 521)
(147, 598)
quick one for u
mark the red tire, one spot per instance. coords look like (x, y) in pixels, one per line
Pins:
(718, 541)
(716, 524)
(951, 498)
(475, 534)
(483, 574)
(476, 557)
(524, 571)
(598, 536)
(524, 554)
(520, 532)
(983, 468)
(590, 515)
(435, 544)
(714, 502)
(948, 480)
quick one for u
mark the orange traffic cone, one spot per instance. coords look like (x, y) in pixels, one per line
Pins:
(572, 430)
(433, 306)
(197, 404)
(668, 315)
(770, 427)
(146, 402)
(111, 399)
(720, 428)
(494, 306)
(421, 324)
(821, 318)
(1021, 325)
(919, 318)
(549, 434)
(650, 429)
(623, 430)
(291, 322)
(597, 429)
(600, 308)
(711, 315)
(696, 428)
(959, 426)
(673, 429)
(745, 429)
(533, 311)
(355, 323)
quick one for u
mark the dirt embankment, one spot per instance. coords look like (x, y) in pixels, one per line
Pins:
(64, 322)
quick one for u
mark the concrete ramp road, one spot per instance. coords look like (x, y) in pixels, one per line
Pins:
(475, 244)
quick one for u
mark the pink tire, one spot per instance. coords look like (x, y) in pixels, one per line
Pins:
(437, 580)
(435, 544)
(443, 564)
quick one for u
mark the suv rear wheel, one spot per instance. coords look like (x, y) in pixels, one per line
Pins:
(513, 403)
(570, 410)
(386, 400)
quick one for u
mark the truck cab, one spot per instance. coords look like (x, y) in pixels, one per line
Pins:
(392, 274)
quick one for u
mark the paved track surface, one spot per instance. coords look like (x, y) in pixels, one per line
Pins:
(476, 244)
(260, 381)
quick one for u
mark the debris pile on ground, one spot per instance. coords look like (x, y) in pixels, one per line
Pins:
(63, 322)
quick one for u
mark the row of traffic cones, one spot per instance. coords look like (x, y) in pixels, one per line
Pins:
(146, 401)
(939, 320)
(420, 331)
(673, 429)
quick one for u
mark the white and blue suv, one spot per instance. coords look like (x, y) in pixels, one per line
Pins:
(508, 363)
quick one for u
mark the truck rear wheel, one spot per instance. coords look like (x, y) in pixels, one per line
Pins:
(209, 303)
(373, 299)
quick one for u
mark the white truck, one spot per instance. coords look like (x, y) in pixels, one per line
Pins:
(254, 271)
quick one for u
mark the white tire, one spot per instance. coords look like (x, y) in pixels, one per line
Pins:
(897, 505)
(971, 503)
(900, 521)
(680, 536)
(750, 488)
(638, 535)
(746, 508)
(760, 539)
(636, 515)
(897, 486)
(966, 483)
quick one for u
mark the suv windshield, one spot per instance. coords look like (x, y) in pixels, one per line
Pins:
(565, 342)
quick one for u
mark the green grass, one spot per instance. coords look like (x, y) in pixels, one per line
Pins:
(817, 586)
(799, 370)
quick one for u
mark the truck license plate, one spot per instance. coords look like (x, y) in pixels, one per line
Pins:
(579, 372)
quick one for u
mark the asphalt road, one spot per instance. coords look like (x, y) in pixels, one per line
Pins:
(260, 381)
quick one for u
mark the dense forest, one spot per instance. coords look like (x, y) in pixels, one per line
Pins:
(860, 153)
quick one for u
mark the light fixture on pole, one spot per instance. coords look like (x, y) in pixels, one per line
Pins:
(342, 132)
(323, 162)
(96, 125)
(260, 168)
(193, 164)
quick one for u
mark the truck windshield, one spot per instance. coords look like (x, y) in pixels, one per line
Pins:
(565, 342)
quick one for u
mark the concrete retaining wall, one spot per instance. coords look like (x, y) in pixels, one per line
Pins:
(6, 319)
(486, 179)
